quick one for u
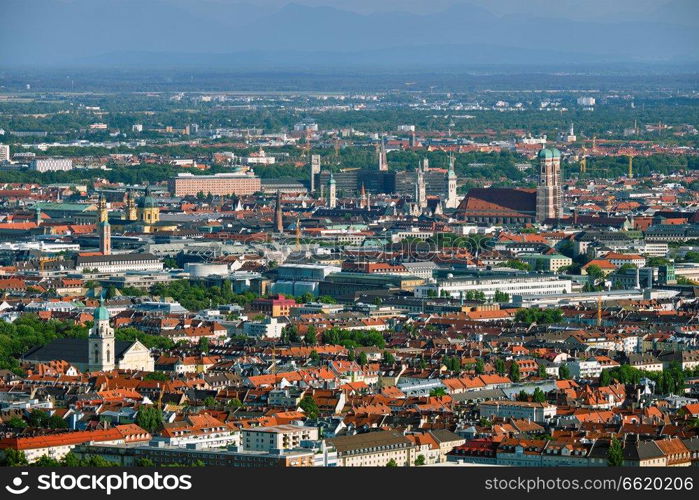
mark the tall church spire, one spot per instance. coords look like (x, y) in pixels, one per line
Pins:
(549, 201)
(104, 230)
(452, 198)
(101, 342)
(421, 191)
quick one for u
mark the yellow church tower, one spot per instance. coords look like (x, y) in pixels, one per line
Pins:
(131, 209)
(148, 210)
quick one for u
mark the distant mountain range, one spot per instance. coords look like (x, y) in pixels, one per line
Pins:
(166, 33)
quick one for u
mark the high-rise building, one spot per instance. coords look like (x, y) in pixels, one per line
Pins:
(332, 194)
(101, 342)
(549, 201)
(4, 153)
(315, 170)
(383, 158)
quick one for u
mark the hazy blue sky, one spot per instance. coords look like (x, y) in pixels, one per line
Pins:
(574, 9)
(394, 32)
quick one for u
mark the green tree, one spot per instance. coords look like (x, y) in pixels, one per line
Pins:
(311, 337)
(96, 461)
(14, 458)
(420, 460)
(38, 418)
(70, 460)
(595, 273)
(145, 462)
(500, 366)
(234, 403)
(362, 360)
(388, 358)
(392, 463)
(46, 461)
(438, 392)
(159, 376)
(17, 423)
(514, 372)
(56, 422)
(480, 367)
(150, 418)
(516, 264)
(292, 333)
(615, 454)
(605, 378)
(501, 296)
(204, 345)
(539, 396)
(309, 407)
(564, 372)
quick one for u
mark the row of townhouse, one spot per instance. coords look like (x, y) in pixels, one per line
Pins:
(57, 446)
(669, 452)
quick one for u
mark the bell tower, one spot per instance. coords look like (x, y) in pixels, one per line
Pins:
(101, 342)
(549, 200)
(131, 210)
(452, 199)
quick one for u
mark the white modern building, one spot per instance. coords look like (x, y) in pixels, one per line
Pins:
(277, 437)
(522, 285)
(268, 327)
(536, 412)
(52, 164)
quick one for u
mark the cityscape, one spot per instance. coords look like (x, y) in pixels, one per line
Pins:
(244, 267)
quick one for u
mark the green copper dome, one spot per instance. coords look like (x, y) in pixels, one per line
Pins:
(556, 153)
(545, 154)
(148, 201)
(101, 313)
